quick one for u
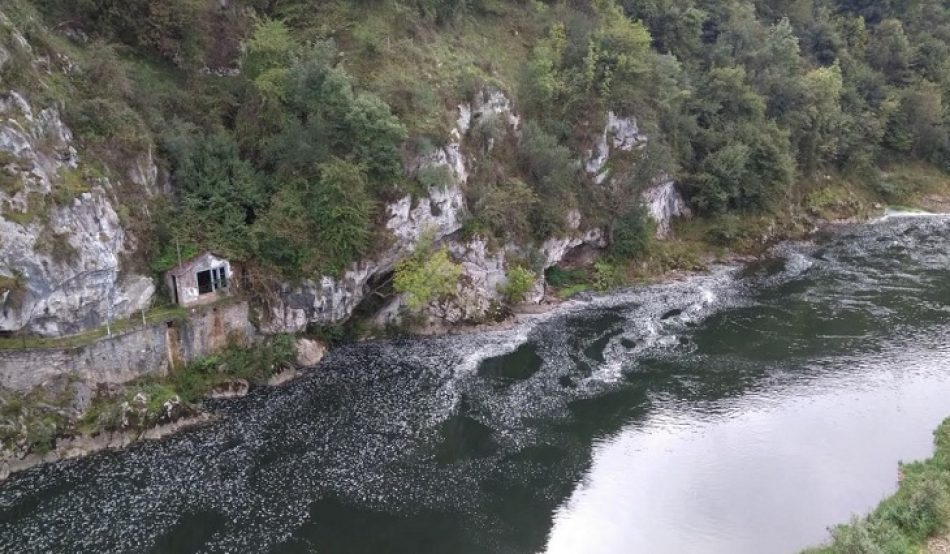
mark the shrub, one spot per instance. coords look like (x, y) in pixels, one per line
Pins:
(607, 276)
(436, 176)
(341, 212)
(519, 281)
(631, 234)
(504, 209)
(425, 276)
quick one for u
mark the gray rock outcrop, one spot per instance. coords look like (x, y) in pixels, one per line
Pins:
(61, 240)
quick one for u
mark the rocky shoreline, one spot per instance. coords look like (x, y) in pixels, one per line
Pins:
(80, 446)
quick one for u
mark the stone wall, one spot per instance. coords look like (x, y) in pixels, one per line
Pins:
(139, 352)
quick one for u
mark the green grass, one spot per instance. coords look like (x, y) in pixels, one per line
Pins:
(120, 326)
(902, 523)
(420, 68)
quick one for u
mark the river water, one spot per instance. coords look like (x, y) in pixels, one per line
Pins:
(744, 411)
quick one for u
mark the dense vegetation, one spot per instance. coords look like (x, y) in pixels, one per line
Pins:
(902, 523)
(285, 163)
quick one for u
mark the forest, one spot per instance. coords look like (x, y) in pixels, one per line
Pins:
(285, 125)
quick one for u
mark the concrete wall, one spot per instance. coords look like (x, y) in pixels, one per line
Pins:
(134, 354)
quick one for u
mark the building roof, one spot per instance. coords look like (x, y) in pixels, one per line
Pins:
(187, 265)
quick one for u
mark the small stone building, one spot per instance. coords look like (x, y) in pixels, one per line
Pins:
(199, 280)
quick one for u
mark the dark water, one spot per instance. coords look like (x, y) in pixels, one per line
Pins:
(740, 412)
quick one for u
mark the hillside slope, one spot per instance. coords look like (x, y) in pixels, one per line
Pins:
(427, 158)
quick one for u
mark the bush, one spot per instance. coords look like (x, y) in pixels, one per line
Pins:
(519, 281)
(900, 524)
(220, 192)
(608, 276)
(504, 209)
(426, 276)
(341, 212)
(631, 234)
(559, 277)
(923, 508)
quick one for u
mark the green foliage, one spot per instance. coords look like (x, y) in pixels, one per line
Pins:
(270, 47)
(900, 524)
(341, 210)
(607, 276)
(552, 173)
(675, 256)
(631, 234)
(220, 192)
(739, 99)
(559, 277)
(435, 176)
(168, 257)
(255, 363)
(428, 275)
(178, 30)
(518, 282)
(317, 225)
(318, 114)
(504, 209)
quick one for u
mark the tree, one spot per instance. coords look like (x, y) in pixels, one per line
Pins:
(220, 192)
(819, 137)
(271, 47)
(890, 51)
(505, 208)
(340, 212)
(618, 58)
(376, 135)
(631, 233)
(518, 282)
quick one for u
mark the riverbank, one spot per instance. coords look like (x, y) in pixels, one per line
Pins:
(71, 411)
(67, 417)
(915, 519)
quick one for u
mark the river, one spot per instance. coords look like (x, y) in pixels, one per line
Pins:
(743, 411)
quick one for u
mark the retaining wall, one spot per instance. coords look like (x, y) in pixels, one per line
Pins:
(152, 349)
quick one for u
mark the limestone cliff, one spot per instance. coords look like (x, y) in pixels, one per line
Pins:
(61, 238)
(331, 300)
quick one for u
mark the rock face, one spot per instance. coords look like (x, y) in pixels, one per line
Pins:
(440, 214)
(484, 274)
(332, 300)
(620, 133)
(664, 202)
(62, 238)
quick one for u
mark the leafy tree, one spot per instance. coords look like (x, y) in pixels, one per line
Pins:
(341, 211)
(820, 134)
(890, 51)
(271, 47)
(504, 209)
(376, 135)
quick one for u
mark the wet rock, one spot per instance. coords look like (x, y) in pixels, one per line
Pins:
(285, 376)
(309, 352)
(235, 388)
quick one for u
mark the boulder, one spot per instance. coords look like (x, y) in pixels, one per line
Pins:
(309, 352)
